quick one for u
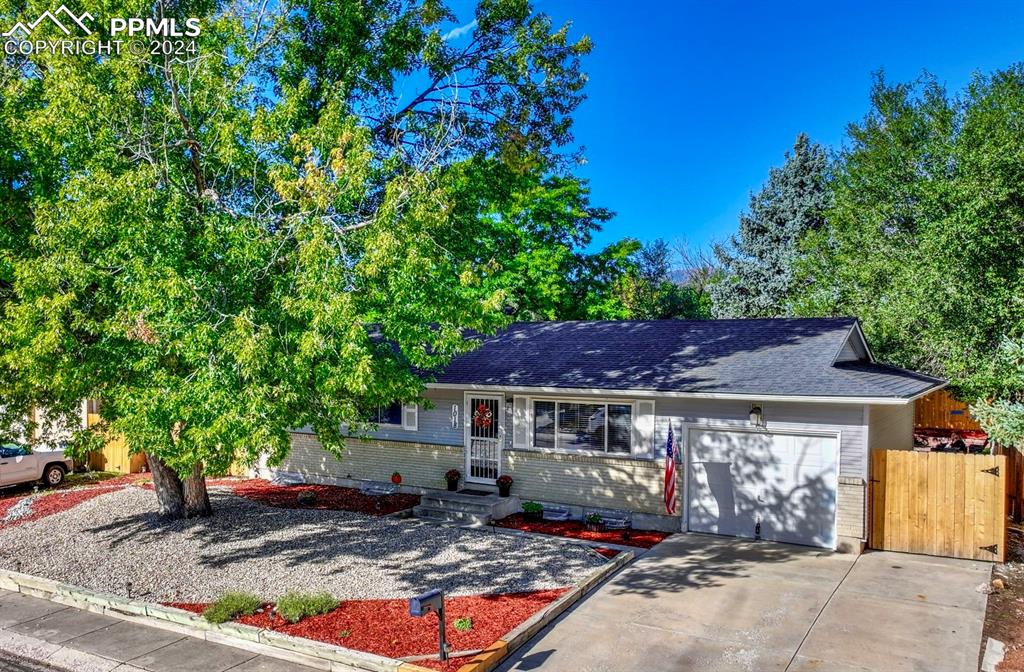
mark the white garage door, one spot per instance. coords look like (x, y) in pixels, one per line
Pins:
(785, 482)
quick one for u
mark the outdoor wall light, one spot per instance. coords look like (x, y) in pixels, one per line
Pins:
(757, 415)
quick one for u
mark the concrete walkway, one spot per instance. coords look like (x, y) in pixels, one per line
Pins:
(81, 641)
(709, 603)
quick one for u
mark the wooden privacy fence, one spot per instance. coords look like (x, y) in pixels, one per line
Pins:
(940, 410)
(945, 504)
(1014, 480)
(115, 455)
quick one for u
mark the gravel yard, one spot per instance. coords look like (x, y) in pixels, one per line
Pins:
(117, 538)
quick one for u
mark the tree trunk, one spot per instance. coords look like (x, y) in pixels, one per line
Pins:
(169, 493)
(197, 500)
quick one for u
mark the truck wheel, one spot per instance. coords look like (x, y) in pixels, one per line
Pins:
(53, 475)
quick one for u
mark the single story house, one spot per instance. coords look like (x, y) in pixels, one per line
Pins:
(774, 419)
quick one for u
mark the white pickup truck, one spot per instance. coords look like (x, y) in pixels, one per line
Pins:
(21, 464)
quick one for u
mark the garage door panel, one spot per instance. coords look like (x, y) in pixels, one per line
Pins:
(786, 482)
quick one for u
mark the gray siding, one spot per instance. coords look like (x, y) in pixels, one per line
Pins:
(434, 425)
(845, 419)
(892, 427)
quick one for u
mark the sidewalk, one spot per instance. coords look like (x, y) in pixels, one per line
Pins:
(82, 641)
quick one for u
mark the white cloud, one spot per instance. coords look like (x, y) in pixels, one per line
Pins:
(456, 33)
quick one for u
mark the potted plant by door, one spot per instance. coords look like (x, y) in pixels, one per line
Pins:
(594, 523)
(452, 476)
(533, 511)
(396, 478)
(504, 485)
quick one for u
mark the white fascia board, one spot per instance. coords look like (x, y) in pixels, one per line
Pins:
(938, 387)
(893, 401)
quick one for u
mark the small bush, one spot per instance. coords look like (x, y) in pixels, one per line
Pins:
(294, 607)
(306, 498)
(463, 624)
(232, 605)
(532, 507)
(344, 633)
(594, 519)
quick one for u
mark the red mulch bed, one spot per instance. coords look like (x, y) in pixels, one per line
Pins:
(575, 529)
(607, 552)
(328, 497)
(384, 627)
(51, 503)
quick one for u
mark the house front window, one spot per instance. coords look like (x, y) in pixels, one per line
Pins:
(585, 426)
(390, 414)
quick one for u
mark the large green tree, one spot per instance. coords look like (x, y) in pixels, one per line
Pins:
(758, 262)
(924, 241)
(282, 228)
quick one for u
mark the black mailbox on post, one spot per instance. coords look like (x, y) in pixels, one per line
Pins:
(431, 601)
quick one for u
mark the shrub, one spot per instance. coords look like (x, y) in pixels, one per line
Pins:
(594, 518)
(294, 607)
(463, 624)
(306, 498)
(232, 605)
(532, 507)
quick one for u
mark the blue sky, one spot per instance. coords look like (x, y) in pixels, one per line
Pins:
(691, 103)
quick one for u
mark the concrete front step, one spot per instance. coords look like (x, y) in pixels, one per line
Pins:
(451, 496)
(481, 507)
(463, 508)
(451, 515)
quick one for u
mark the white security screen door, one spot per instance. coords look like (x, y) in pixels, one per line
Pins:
(484, 434)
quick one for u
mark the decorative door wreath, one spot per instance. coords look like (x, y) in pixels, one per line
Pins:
(482, 416)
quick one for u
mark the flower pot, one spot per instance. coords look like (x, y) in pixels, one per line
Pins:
(594, 527)
(504, 490)
(533, 516)
(453, 486)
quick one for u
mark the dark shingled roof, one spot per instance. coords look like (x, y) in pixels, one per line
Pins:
(771, 357)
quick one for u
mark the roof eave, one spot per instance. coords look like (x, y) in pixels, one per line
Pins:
(807, 399)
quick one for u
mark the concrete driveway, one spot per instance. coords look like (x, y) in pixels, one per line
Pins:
(709, 603)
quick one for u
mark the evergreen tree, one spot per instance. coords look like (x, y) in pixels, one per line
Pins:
(758, 263)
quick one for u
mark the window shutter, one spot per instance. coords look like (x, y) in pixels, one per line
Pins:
(520, 422)
(643, 429)
(410, 417)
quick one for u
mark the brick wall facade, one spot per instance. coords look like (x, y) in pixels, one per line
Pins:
(420, 464)
(850, 505)
(601, 482)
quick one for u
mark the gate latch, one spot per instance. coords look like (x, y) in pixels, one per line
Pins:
(993, 549)
(994, 470)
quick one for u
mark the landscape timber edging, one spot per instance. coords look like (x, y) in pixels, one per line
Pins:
(489, 658)
(263, 641)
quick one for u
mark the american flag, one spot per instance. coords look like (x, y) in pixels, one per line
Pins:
(670, 474)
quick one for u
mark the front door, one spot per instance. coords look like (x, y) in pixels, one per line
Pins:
(484, 434)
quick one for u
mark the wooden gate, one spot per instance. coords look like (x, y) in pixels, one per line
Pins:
(945, 504)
